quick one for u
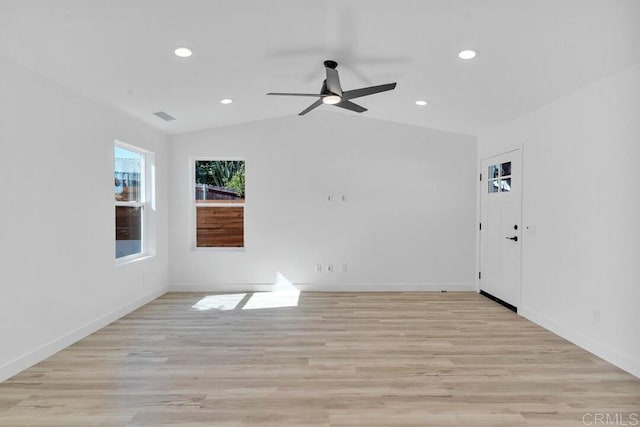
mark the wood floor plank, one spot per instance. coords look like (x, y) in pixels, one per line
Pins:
(334, 359)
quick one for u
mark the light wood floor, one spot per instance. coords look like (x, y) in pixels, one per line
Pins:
(339, 359)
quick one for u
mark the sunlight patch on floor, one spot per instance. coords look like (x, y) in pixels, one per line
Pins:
(219, 302)
(284, 294)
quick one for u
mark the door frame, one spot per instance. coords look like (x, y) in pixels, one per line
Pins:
(484, 155)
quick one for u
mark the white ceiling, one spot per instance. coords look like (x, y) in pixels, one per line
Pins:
(120, 52)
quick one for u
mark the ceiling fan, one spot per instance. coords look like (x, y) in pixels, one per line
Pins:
(332, 94)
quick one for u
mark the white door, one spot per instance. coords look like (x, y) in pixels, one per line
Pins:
(501, 227)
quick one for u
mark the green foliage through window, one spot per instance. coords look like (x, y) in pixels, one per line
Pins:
(237, 181)
(228, 174)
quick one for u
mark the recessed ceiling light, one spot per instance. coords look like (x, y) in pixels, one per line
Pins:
(331, 99)
(421, 102)
(183, 52)
(467, 54)
(226, 101)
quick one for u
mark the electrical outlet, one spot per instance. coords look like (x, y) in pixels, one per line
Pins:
(329, 197)
(330, 268)
(343, 198)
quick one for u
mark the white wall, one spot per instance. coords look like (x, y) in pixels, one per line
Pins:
(58, 279)
(408, 222)
(582, 193)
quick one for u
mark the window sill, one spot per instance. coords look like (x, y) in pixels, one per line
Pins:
(220, 249)
(132, 259)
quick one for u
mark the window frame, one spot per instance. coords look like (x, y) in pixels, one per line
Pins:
(146, 203)
(195, 205)
(499, 178)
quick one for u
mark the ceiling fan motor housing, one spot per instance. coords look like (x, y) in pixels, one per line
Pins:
(325, 90)
(329, 64)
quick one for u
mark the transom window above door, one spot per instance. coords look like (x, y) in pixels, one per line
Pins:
(499, 178)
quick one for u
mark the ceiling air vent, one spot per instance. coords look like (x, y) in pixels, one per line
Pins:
(164, 116)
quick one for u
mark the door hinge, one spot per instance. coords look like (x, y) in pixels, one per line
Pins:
(480, 226)
(480, 177)
(479, 275)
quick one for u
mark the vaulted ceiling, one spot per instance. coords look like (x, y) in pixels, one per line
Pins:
(120, 53)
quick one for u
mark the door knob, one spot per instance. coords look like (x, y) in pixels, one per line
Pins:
(514, 238)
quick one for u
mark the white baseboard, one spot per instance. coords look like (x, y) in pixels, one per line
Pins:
(325, 287)
(601, 350)
(29, 359)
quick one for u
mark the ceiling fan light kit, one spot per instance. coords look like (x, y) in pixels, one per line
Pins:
(331, 99)
(331, 92)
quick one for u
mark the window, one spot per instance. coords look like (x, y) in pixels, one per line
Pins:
(132, 201)
(499, 178)
(219, 199)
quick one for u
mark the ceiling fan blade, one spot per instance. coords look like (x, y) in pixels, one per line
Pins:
(357, 93)
(294, 94)
(311, 107)
(333, 81)
(350, 106)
